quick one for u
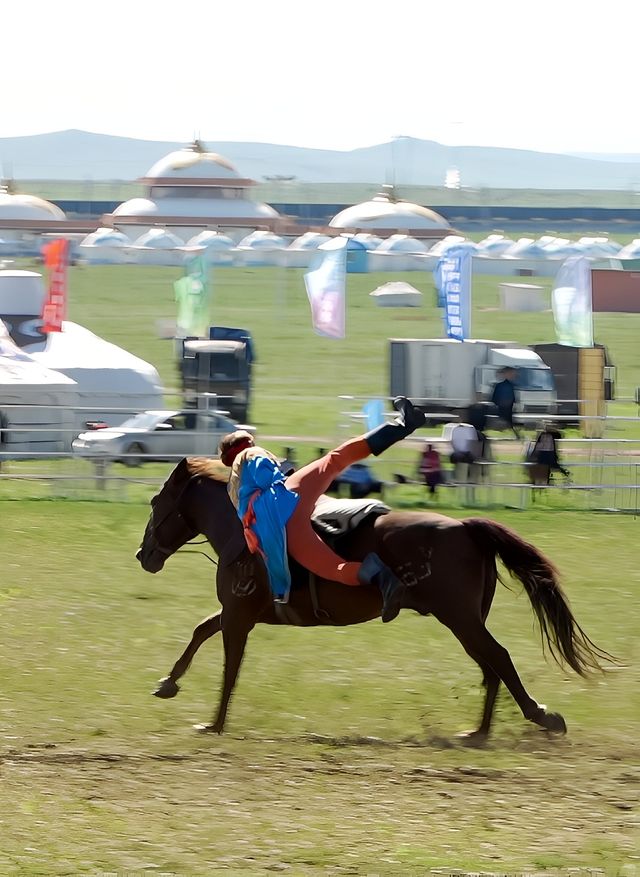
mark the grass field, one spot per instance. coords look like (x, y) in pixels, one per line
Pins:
(341, 756)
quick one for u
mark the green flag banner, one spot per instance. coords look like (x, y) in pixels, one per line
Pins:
(192, 297)
(571, 302)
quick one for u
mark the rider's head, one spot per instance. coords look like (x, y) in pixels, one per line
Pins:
(233, 443)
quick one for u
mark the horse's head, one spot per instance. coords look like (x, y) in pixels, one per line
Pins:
(167, 529)
(180, 511)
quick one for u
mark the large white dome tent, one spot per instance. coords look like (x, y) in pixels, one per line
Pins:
(190, 189)
(385, 212)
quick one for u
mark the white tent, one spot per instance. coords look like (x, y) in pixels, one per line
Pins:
(631, 251)
(301, 252)
(105, 246)
(397, 294)
(399, 252)
(37, 405)
(217, 248)
(260, 248)
(157, 247)
(107, 376)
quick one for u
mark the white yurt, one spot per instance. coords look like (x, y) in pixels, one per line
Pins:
(397, 294)
(598, 248)
(19, 207)
(387, 212)
(37, 405)
(400, 252)
(260, 248)
(217, 248)
(106, 376)
(157, 246)
(630, 251)
(494, 245)
(190, 189)
(105, 246)
(370, 241)
(301, 251)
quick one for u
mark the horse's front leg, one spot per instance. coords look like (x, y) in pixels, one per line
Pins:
(168, 687)
(234, 636)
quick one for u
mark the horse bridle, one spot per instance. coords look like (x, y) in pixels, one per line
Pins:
(170, 551)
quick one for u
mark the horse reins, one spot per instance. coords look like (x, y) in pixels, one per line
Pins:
(168, 552)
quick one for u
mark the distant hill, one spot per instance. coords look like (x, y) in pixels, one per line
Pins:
(81, 155)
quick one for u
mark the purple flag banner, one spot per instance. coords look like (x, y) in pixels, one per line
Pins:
(326, 286)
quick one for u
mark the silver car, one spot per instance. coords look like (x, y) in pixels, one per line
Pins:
(157, 435)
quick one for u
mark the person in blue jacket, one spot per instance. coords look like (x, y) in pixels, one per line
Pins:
(276, 509)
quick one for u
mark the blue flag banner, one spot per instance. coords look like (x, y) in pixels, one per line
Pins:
(571, 303)
(374, 413)
(326, 287)
(453, 281)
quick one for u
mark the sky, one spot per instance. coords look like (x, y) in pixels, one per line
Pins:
(338, 74)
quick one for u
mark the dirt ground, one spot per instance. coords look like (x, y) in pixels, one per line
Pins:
(320, 805)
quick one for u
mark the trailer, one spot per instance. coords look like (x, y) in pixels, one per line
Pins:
(445, 375)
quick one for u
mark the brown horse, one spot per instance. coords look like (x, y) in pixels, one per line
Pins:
(448, 567)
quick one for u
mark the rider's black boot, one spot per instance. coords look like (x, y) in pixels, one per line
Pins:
(374, 572)
(408, 420)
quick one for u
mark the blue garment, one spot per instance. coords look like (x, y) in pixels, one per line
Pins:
(273, 506)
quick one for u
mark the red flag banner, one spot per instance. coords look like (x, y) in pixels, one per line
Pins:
(54, 310)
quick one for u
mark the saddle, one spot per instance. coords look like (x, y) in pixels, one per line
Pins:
(337, 517)
(332, 519)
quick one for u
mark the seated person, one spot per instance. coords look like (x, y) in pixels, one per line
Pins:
(430, 468)
(360, 479)
(465, 443)
(545, 449)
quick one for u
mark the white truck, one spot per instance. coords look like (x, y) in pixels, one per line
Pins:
(444, 376)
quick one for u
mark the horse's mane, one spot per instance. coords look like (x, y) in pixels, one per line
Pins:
(213, 469)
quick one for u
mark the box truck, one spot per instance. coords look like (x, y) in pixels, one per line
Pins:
(442, 375)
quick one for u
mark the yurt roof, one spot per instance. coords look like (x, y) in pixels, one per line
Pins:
(211, 239)
(258, 239)
(401, 243)
(192, 162)
(27, 207)
(386, 211)
(105, 237)
(159, 238)
(396, 287)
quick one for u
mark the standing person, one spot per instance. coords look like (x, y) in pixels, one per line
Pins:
(276, 510)
(504, 397)
(545, 449)
(430, 469)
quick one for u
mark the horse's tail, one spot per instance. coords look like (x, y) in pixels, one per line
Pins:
(567, 641)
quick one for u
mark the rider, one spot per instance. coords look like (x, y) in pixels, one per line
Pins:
(276, 510)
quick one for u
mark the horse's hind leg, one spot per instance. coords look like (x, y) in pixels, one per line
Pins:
(491, 683)
(234, 635)
(478, 642)
(167, 687)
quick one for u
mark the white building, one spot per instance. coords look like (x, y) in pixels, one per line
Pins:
(21, 217)
(191, 190)
(386, 215)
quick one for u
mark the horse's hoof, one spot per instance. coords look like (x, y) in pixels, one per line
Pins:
(207, 728)
(166, 688)
(555, 723)
(476, 739)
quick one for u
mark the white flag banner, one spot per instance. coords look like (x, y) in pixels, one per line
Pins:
(326, 287)
(571, 302)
